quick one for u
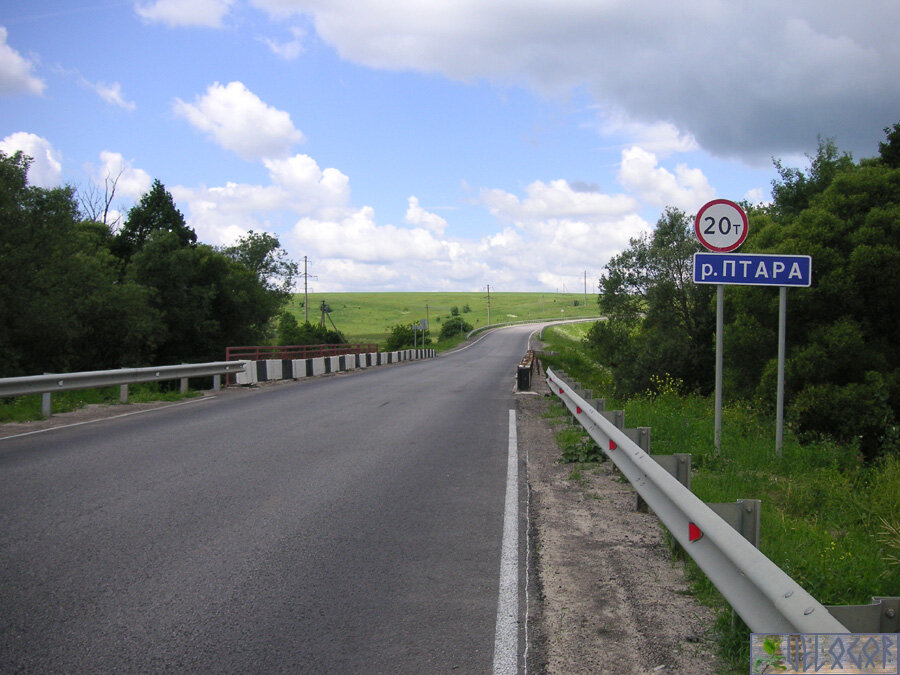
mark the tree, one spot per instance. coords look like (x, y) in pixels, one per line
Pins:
(890, 149)
(842, 374)
(61, 308)
(95, 206)
(156, 212)
(792, 193)
(659, 321)
(208, 301)
(262, 254)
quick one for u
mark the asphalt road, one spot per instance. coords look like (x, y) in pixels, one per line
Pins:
(345, 524)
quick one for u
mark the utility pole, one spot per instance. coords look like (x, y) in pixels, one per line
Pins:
(489, 303)
(306, 277)
(585, 288)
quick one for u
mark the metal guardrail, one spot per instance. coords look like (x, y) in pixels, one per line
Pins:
(52, 382)
(766, 598)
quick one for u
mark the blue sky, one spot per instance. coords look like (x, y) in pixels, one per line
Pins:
(440, 145)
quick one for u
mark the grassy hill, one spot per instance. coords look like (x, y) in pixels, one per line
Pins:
(368, 317)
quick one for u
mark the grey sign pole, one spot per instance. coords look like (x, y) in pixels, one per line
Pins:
(721, 226)
(720, 329)
(782, 321)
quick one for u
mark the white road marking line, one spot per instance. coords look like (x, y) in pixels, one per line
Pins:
(104, 419)
(506, 635)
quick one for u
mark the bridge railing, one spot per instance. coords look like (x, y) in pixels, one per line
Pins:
(285, 352)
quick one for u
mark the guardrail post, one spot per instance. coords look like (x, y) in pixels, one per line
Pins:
(616, 417)
(742, 515)
(678, 465)
(46, 404)
(183, 385)
(123, 393)
(640, 436)
(217, 382)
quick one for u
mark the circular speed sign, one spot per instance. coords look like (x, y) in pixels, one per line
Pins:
(721, 225)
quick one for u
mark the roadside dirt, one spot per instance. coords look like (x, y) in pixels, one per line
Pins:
(611, 598)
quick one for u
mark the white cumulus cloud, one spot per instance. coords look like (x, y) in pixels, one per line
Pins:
(16, 75)
(556, 199)
(46, 165)
(416, 215)
(239, 121)
(686, 189)
(181, 13)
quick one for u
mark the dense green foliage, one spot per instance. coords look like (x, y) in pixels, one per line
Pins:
(454, 326)
(659, 320)
(291, 332)
(400, 337)
(843, 364)
(74, 295)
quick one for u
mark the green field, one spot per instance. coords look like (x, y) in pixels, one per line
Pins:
(368, 317)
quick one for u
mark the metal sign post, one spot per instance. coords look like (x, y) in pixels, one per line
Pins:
(754, 269)
(721, 226)
(782, 321)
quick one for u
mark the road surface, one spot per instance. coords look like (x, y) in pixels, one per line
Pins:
(350, 523)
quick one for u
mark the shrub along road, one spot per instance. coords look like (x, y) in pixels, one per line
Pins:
(344, 524)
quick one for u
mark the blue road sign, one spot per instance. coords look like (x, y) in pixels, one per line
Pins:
(752, 269)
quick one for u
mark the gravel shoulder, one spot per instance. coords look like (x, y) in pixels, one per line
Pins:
(611, 598)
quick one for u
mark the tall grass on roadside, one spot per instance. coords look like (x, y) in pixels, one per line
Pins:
(828, 520)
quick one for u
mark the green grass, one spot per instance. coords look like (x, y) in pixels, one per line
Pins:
(368, 317)
(829, 521)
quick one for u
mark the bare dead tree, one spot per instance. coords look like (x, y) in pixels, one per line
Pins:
(95, 205)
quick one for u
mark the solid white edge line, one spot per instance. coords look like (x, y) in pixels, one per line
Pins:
(105, 419)
(506, 635)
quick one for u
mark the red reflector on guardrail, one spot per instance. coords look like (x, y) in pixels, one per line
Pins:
(560, 390)
(578, 410)
(694, 532)
(612, 444)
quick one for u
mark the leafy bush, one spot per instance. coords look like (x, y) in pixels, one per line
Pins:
(400, 337)
(454, 326)
(290, 332)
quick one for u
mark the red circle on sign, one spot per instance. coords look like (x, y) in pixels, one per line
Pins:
(721, 225)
